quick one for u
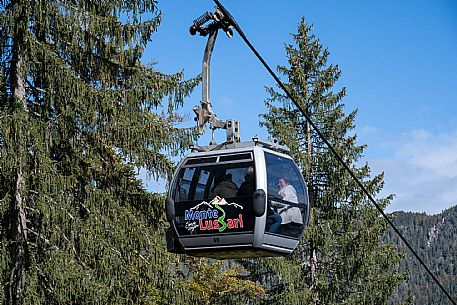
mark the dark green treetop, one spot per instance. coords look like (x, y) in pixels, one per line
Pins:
(341, 259)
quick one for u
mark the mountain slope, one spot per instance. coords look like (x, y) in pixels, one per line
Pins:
(434, 237)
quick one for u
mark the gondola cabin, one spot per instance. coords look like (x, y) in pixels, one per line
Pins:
(245, 199)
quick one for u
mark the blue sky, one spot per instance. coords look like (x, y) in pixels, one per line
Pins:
(398, 62)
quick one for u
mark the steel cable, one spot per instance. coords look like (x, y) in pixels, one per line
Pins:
(330, 146)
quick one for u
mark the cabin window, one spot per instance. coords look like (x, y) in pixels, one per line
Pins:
(215, 198)
(287, 200)
(208, 181)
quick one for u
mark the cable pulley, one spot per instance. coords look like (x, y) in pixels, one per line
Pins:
(218, 21)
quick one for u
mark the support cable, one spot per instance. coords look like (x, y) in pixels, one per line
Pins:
(332, 149)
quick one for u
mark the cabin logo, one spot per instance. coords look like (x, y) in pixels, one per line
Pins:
(212, 216)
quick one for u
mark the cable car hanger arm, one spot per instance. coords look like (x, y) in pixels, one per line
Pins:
(329, 145)
(205, 113)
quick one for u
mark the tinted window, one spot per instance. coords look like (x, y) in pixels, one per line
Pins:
(208, 199)
(184, 182)
(287, 197)
(202, 181)
(201, 160)
(246, 156)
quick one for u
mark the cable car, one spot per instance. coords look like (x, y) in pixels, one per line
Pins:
(237, 199)
(246, 199)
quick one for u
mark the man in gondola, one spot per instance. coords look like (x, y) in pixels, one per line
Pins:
(247, 188)
(225, 188)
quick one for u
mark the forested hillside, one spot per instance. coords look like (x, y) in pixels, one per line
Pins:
(435, 239)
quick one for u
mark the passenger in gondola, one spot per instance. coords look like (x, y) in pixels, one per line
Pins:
(288, 193)
(247, 188)
(274, 220)
(283, 214)
(225, 187)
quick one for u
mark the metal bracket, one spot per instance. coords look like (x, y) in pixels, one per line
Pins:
(205, 113)
(233, 130)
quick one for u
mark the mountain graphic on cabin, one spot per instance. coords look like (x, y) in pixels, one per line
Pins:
(212, 216)
(216, 201)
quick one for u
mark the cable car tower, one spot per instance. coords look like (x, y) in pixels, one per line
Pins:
(236, 199)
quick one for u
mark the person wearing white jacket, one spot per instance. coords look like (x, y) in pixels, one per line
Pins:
(288, 193)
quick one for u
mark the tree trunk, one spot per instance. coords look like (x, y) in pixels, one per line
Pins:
(18, 218)
(313, 261)
(18, 238)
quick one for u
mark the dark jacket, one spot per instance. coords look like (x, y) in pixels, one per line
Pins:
(225, 189)
(247, 188)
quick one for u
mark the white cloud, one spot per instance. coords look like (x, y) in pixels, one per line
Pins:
(422, 172)
(368, 131)
(437, 153)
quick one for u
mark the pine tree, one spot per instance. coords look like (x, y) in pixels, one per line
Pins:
(78, 112)
(219, 282)
(341, 259)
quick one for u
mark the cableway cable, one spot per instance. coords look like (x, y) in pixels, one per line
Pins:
(330, 146)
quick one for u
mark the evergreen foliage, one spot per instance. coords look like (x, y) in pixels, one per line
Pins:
(341, 259)
(435, 239)
(78, 112)
(220, 282)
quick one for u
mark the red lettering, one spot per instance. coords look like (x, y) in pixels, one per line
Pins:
(202, 228)
(209, 224)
